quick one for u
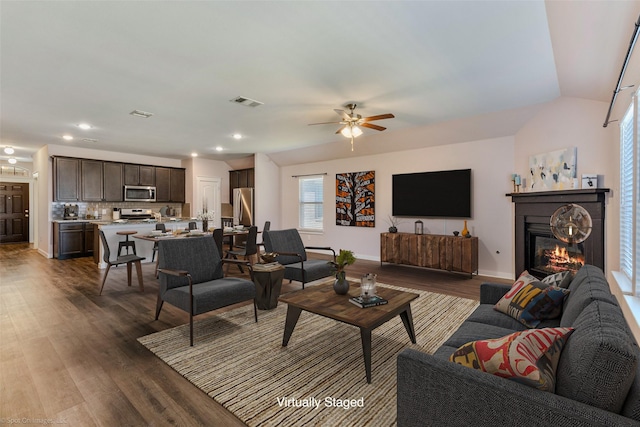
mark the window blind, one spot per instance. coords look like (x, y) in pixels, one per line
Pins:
(626, 193)
(311, 196)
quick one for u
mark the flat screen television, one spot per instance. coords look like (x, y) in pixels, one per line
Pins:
(441, 194)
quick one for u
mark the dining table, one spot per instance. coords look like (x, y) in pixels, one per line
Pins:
(155, 237)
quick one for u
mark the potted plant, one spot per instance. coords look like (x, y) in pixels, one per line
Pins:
(344, 258)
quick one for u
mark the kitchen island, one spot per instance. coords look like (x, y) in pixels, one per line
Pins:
(143, 248)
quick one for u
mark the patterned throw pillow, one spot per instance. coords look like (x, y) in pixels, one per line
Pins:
(530, 301)
(559, 280)
(529, 357)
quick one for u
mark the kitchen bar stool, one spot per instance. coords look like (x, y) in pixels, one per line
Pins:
(127, 243)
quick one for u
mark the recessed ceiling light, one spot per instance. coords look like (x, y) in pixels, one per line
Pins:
(84, 126)
(237, 136)
(13, 161)
(9, 150)
(67, 137)
(140, 113)
(218, 148)
(194, 154)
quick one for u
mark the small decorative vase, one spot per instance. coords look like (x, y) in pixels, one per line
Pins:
(205, 225)
(393, 230)
(465, 230)
(341, 285)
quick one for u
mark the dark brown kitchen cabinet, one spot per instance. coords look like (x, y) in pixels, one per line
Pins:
(170, 184)
(163, 184)
(113, 183)
(240, 178)
(177, 185)
(72, 240)
(66, 179)
(91, 180)
(139, 175)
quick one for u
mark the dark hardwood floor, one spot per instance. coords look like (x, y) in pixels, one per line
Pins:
(71, 356)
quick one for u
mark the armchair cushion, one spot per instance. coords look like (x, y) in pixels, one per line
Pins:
(313, 270)
(208, 296)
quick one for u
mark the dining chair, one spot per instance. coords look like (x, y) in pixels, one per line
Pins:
(249, 250)
(163, 228)
(192, 280)
(292, 255)
(128, 259)
(267, 226)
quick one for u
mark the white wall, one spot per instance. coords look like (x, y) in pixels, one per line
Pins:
(491, 162)
(574, 122)
(268, 192)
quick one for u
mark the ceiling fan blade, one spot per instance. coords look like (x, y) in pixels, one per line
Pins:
(340, 130)
(324, 123)
(342, 113)
(372, 126)
(379, 117)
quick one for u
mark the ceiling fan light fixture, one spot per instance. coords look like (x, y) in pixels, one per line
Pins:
(351, 131)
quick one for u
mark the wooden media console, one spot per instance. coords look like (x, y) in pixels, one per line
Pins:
(450, 253)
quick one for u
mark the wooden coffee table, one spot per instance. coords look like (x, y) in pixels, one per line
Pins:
(322, 300)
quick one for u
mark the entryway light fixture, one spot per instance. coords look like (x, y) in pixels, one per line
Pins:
(9, 150)
(237, 136)
(67, 137)
(13, 161)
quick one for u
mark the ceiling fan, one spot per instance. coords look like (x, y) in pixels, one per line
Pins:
(351, 121)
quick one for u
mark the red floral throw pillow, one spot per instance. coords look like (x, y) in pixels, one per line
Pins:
(530, 301)
(529, 357)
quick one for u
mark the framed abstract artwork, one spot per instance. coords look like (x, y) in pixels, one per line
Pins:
(555, 170)
(355, 201)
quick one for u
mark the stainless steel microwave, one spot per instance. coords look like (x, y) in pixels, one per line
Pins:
(136, 193)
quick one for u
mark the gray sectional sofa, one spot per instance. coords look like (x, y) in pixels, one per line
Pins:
(597, 380)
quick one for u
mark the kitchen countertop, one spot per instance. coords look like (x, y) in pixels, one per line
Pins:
(131, 221)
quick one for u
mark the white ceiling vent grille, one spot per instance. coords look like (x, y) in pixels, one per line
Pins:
(247, 102)
(90, 140)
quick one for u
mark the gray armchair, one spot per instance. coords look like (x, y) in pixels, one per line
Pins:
(191, 278)
(293, 255)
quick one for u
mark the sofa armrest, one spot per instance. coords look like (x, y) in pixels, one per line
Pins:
(490, 293)
(437, 392)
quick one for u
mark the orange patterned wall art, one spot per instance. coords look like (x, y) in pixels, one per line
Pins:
(355, 200)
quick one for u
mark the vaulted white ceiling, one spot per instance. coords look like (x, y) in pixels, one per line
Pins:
(429, 63)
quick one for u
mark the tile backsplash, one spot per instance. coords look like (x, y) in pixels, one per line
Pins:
(84, 208)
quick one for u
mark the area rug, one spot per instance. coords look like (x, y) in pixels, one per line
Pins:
(319, 378)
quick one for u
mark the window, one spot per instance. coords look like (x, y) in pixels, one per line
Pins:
(311, 202)
(629, 197)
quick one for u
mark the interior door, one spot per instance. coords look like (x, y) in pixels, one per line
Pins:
(14, 212)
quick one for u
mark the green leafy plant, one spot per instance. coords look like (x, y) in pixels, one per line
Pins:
(343, 259)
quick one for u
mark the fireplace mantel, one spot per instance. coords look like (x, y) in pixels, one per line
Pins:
(537, 208)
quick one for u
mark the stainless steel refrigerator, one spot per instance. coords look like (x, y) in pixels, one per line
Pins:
(243, 206)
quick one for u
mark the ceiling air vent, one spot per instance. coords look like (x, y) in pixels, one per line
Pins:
(247, 102)
(140, 113)
(89, 140)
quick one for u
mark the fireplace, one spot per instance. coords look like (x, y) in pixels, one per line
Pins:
(548, 255)
(536, 248)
